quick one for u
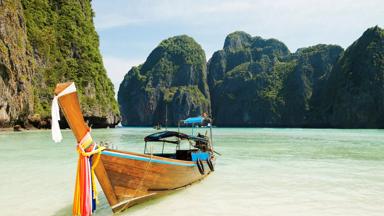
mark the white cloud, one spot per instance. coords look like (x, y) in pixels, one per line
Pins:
(118, 67)
(116, 13)
(139, 24)
(115, 20)
(142, 11)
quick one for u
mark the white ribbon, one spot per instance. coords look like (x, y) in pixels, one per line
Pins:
(55, 112)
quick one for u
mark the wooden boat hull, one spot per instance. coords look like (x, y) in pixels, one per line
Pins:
(129, 178)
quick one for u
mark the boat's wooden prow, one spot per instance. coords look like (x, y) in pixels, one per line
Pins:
(61, 86)
(70, 106)
(105, 182)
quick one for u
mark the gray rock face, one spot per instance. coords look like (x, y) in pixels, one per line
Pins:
(171, 84)
(16, 95)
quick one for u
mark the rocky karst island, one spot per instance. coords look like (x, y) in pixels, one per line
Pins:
(172, 84)
(258, 82)
(250, 82)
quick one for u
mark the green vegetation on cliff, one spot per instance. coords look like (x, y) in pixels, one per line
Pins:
(172, 79)
(304, 87)
(254, 84)
(355, 93)
(65, 48)
(258, 82)
(51, 41)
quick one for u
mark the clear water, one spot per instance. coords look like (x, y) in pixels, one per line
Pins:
(261, 172)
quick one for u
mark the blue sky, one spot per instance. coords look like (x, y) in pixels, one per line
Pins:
(130, 29)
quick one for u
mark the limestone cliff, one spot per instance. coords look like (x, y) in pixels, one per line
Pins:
(44, 42)
(16, 66)
(246, 78)
(303, 90)
(171, 84)
(355, 90)
(258, 82)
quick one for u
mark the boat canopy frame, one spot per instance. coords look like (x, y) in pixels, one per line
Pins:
(164, 136)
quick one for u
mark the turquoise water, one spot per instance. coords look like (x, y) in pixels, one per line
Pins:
(261, 172)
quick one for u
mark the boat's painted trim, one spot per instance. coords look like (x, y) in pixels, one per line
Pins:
(134, 157)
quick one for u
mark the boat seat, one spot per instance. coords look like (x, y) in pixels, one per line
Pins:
(185, 154)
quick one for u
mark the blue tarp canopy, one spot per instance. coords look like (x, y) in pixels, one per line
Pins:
(193, 120)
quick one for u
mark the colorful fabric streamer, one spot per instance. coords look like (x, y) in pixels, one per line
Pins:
(85, 196)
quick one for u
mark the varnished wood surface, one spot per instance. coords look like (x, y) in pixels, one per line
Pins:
(105, 183)
(70, 106)
(134, 181)
(61, 86)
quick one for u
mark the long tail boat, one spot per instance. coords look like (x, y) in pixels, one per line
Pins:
(128, 178)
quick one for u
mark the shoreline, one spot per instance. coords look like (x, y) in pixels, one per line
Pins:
(6, 129)
(11, 129)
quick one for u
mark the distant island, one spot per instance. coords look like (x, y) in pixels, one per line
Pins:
(256, 82)
(251, 82)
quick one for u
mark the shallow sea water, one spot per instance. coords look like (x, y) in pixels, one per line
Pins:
(261, 172)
